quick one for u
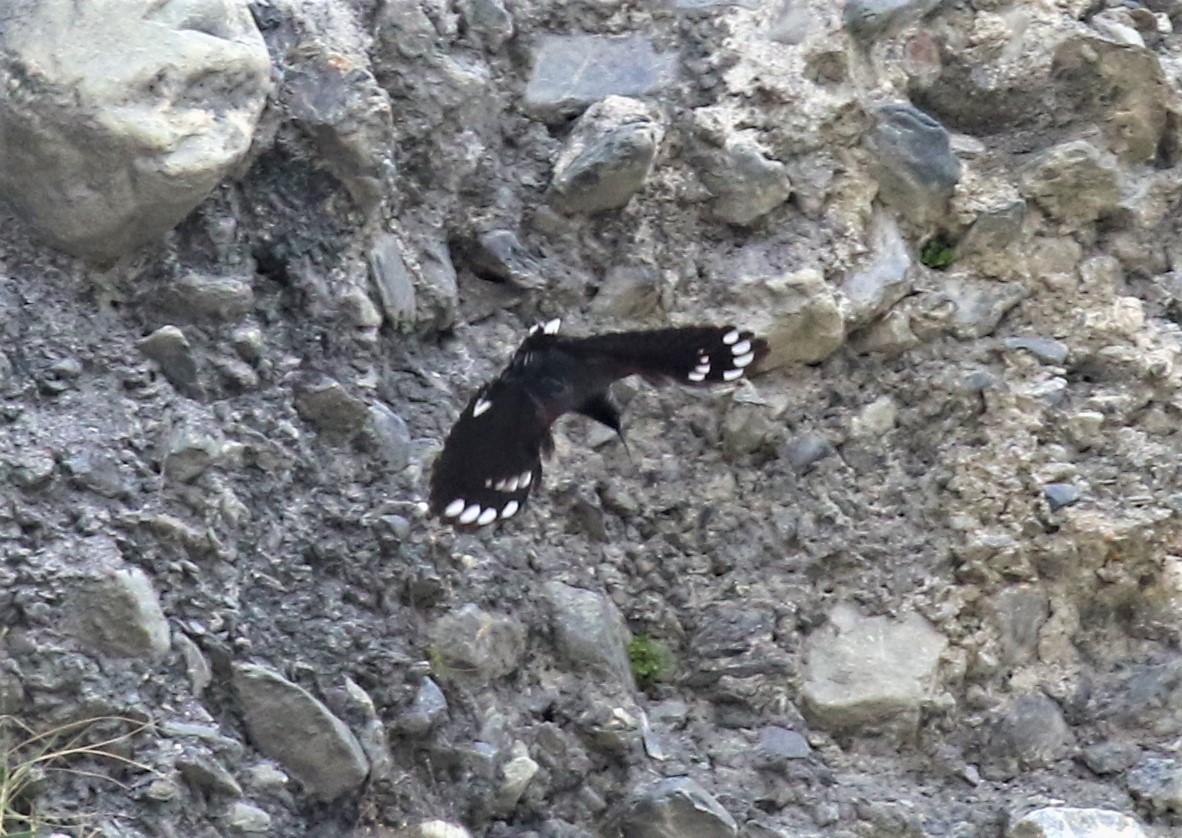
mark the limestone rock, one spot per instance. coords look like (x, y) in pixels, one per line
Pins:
(120, 118)
(1070, 822)
(1074, 182)
(745, 182)
(870, 673)
(288, 724)
(804, 319)
(870, 19)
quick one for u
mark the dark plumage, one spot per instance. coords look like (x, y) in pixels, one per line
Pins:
(492, 458)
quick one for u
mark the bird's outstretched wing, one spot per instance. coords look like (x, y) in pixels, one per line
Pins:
(692, 355)
(492, 458)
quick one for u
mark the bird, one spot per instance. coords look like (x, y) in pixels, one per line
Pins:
(492, 458)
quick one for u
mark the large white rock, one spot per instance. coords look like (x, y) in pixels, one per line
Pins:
(119, 117)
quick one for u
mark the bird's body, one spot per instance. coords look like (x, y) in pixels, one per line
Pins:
(492, 458)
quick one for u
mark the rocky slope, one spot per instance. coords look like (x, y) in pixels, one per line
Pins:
(921, 576)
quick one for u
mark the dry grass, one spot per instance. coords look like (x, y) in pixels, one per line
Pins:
(27, 756)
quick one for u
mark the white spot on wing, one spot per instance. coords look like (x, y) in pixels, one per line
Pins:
(741, 348)
(696, 376)
(731, 375)
(481, 406)
(535, 328)
(454, 508)
(525, 479)
(551, 326)
(486, 517)
(511, 483)
(730, 337)
(470, 514)
(510, 509)
(744, 360)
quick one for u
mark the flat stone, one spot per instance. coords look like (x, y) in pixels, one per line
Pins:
(390, 437)
(1059, 495)
(572, 71)
(199, 296)
(119, 118)
(870, 673)
(1047, 350)
(292, 727)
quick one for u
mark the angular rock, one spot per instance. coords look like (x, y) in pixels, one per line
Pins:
(607, 157)
(393, 281)
(471, 643)
(327, 406)
(196, 296)
(870, 673)
(245, 818)
(500, 256)
(429, 708)
(913, 162)
(516, 775)
(488, 20)
(884, 279)
(1156, 783)
(993, 229)
(1019, 614)
(390, 437)
(628, 291)
(572, 71)
(590, 632)
(1120, 88)
(1031, 733)
(169, 348)
(1074, 182)
(117, 612)
(1047, 350)
(292, 727)
(777, 746)
(119, 118)
(969, 309)
(675, 808)
(348, 116)
(746, 184)
(1069, 822)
